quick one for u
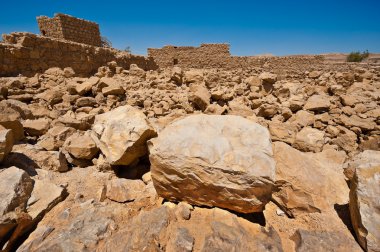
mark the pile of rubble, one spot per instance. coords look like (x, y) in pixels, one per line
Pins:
(191, 160)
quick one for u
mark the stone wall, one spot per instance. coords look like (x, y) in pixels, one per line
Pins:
(27, 54)
(63, 26)
(218, 56)
(207, 55)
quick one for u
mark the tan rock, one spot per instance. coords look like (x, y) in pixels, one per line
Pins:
(121, 134)
(6, 143)
(318, 103)
(113, 89)
(282, 132)
(124, 190)
(221, 231)
(10, 119)
(55, 137)
(194, 157)
(81, 146)
(36, 127)
(15, 189)
(309, 182)
(309, 139)
(200, 96)
(29, 157)
(45, 196)
(364, 200)
(321, 241)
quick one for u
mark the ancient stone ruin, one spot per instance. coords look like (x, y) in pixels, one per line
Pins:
(63, 26)
(187, 149)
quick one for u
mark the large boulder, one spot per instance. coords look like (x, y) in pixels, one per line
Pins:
(6, 143)
(364, 199)
(121, 134)
(213, 160)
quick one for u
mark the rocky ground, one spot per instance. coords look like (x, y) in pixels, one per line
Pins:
(191, 160)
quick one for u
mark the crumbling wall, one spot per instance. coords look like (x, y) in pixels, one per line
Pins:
(27, 54)
(63, 26)
(218, 56)
(205, 56)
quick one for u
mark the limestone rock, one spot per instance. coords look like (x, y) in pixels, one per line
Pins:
(200, 96)
(81, 146)
(6, 143)
(221, 231)
(31, 157)
(223, 161)
(317, 241)
(318, 103)
(124, 190)
(10, 119)
(36, 127)
(55, 137)
(309, 139)
(282, 132)
(15, 189)
(121, 134)
(309, 182)
(45, 196)
(364, 201)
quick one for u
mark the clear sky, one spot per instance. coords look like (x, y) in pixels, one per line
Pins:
(251, 27)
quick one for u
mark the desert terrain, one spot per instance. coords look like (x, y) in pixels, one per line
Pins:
(186, 149)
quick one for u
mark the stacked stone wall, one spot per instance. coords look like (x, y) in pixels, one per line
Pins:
(63, 26)
(27, 54)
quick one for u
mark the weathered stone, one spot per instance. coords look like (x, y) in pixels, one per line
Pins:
(121, 134)
(200, 96)
(309, 139)
(36, 127)
(10, 119)
(86, 102)
(15, 189)
(55, 137)
(193, 158)
(81, 146)
(6, 143)
(45, 196)
(221, 231)
(318, 241)
(309, 182)
(318, 103)
(29, 157)
(364, 200)
(113, 90)
(282, 132)
(124, 190)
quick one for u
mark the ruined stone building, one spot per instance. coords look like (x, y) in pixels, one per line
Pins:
(63, 26)
(188, 56)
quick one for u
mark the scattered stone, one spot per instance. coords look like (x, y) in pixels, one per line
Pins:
(318, 103)
(15, 189)
(121, 134)
(81, 146)
(124, 190)
(6, 143)
(309, 139)
(36, 127)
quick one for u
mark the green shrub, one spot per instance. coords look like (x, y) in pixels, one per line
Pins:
(357, 56)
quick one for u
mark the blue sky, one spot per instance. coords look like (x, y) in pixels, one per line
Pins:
(251, 27)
